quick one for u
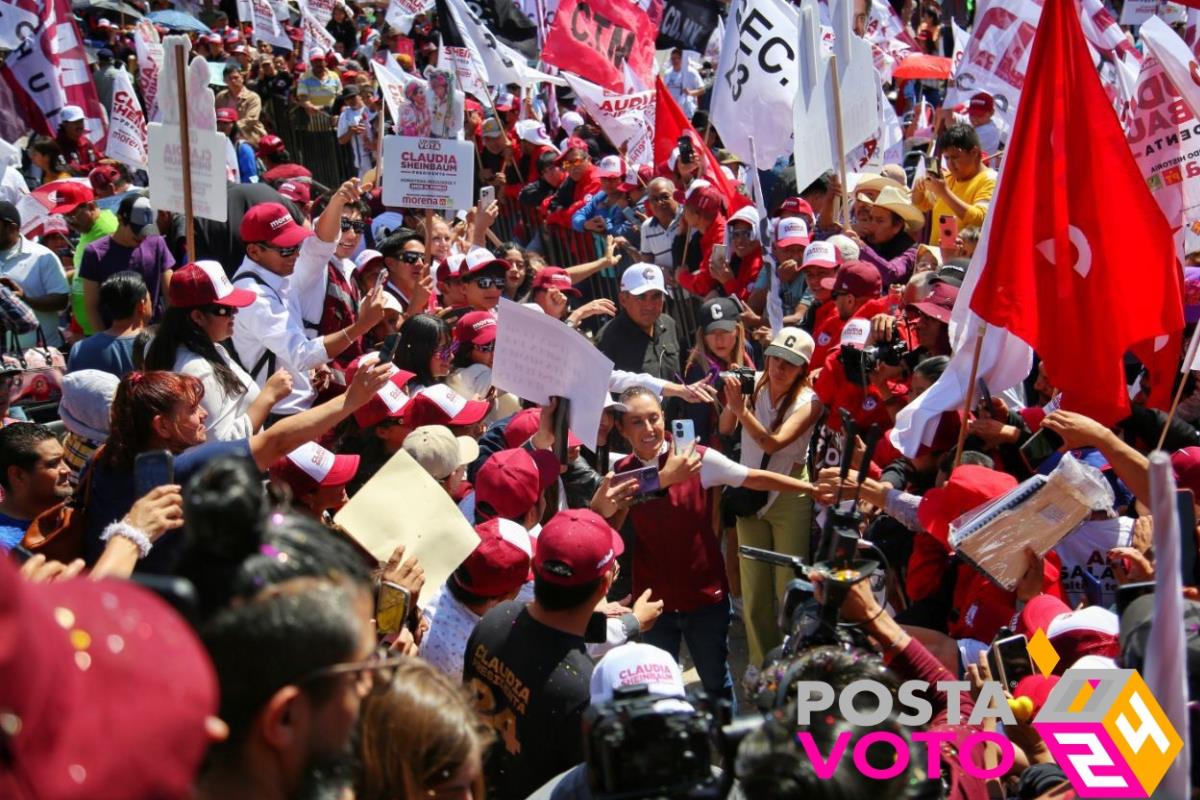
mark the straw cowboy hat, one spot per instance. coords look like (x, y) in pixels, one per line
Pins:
(897, 201)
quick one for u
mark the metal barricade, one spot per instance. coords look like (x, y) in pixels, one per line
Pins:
(311, 139)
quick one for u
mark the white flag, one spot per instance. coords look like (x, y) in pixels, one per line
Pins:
(501, 64)
(150, 61)
(755, 83)
(814, 152)
(266, 27)
(392, 81)
(15, 24)
(126, 125)
(626, 119)
(856, 76)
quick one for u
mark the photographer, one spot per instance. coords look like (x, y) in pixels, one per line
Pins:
(777, 422)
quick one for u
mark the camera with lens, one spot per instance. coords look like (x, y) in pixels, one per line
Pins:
(640, 745)
(744, 376)
(860, 363)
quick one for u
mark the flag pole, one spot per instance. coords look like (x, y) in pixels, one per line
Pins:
(1188, 360)
(841, 142)
(186, 145)
(970, 398)
(379, 144)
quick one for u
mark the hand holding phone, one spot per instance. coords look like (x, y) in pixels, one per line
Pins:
(948, 226)
(1009, 660)
(387, 351)
(486, 196)
(152, 469)
(683, 435)
(391, 608)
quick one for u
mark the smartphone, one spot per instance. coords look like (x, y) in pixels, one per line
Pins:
(1185, 502)
(381, 278)
(152, 469)
(1129, 592)
(1040, 446)
(1009, 660)
(948, 224)
(1092, 589)
(562, 419)
(932, 167)
(683, 435)
(985, 400)
(718, 254)
(387, 351)
(646, 477)
(486, 195)
(392, 605)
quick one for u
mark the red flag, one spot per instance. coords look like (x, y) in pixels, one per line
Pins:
(669, 124)
(596, 38)
(1059, 273)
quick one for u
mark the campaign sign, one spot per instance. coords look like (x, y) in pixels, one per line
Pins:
(207, 168)
(437, 174)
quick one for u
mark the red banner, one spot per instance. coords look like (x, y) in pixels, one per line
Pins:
(595, 39)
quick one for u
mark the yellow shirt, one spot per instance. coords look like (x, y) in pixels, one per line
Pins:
(976, 193)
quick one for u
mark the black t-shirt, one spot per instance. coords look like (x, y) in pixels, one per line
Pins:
(530, 683)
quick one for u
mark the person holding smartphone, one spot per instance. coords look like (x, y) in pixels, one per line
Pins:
(776, 422)
(965, 190)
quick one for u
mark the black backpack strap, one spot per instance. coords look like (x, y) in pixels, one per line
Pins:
(267, 359)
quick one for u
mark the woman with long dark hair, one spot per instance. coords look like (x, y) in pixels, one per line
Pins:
(203, 307)
(426, 350)
(519, 278)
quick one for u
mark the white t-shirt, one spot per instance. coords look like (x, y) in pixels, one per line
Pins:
(37, 270)
(450, 625)
(715, 468)
(782, 461)
(677, 81)
(227, 420)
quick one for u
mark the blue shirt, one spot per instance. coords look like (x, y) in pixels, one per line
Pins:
(614, 216)
(12, 531)
(105, 352)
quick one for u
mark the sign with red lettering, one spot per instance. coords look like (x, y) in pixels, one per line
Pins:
(597, 38)
(626, 119)
(126, 125)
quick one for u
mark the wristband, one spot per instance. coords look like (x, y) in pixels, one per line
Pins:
(127, 531)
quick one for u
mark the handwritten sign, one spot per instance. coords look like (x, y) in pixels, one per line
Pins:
(538, 357)
(208, 171)
(428, 173)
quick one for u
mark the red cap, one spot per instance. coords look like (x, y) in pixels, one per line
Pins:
(939, 303)
(555, 278)
(480, 258)
(205, 283)
(471, 104)
(310, 466)
(271, 223)
(286, 172)
(348, 76)
(450, 268)
(982, 102)
(227, 114)
(1091, 631)
(1186, 465)
(390, 402)
(576, 547)
(511, 481)
(441, 405)
(499, 565)
(78, 656)
(68, 196)
(477, 327)
(524, 425)
(270, 144)
(859, 279)
(1037, 688)
(707, 199)
(969, 486)
(572, 143)
(103, 176)
(296, 191)
(794, 205)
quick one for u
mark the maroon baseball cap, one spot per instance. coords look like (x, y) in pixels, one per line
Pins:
(69, 195)
(103, 176)
(441, 405)
(272, 224)
(707, 199)
(859, 279)
(511, 481)
(477, 327)
(205, 283)
(572, 143)
(794, 205)
(524, 425)
(227, 114)
(576, 547)
(310, 466)
(296, 191)
(982, 102)
(107, 691)
(1186, 465)
(390, 402)
(499, 564)
(555, 278)
(270, 144)
(939, 303)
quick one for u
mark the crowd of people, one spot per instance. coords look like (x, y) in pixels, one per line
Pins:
(184, 615)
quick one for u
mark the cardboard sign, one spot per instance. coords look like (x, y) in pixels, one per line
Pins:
(207, 168)
(437, 174)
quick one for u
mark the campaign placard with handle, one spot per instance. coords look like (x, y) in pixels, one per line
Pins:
(208, 171)
(436, 174)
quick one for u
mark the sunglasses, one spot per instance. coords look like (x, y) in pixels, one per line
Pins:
(219, 311)
(356, 225)
(570, 162)
(488, 282)
(284, 252)
(410, 257)
(446, 353)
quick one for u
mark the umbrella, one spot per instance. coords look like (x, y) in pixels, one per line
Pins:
(922, 67)
(113, 6)
(178, 21)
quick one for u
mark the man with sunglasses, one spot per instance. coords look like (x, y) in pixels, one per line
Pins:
(408, 279)
(483, 279)
(285, 263)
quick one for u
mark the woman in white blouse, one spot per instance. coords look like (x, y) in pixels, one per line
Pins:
(202, 308)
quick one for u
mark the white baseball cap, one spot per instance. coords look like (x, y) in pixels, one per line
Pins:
(610, 167)
(821, 254)
(856, 332)
(570, 121)
(641, 278)
(636, 664)
(70, 114)
(846, 246)
(791, 230)
(530, 130)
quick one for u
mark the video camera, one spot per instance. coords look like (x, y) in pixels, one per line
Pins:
(640, 745)
(744, 376)
(860, 363)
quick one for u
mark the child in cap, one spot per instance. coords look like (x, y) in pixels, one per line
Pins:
(317, 478)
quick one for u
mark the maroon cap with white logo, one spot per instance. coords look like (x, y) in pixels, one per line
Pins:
(575, 547)
(478, 327)
(441, 405)
(205, 283)
(555, 278)
(272, 224)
